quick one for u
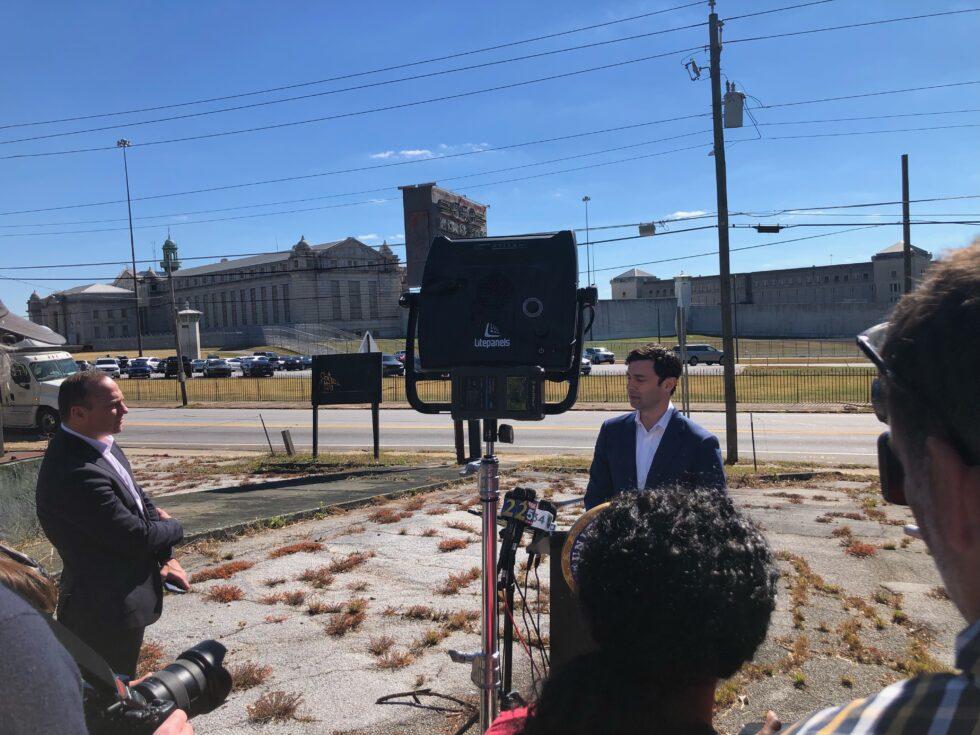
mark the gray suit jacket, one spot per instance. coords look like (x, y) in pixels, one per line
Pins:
(112, 551)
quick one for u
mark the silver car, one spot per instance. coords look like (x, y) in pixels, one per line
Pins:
(108, 365)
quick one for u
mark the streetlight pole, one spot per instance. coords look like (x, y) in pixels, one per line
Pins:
(588, 244)
(124, 144)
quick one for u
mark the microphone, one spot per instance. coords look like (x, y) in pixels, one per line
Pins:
(543, 525)
(518, 504)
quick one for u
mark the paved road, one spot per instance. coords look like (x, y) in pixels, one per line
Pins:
(831, 438)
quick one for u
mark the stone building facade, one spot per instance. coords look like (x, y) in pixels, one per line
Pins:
(344, 284)
(878, 281)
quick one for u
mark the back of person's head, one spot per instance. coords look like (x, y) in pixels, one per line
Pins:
(30, 584)
(933, 346)
(677, 588)
(76, 390)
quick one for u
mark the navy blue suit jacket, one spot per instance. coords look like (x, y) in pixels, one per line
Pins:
(688, 455)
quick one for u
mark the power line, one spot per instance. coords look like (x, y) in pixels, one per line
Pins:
(849, 133)
(389, 188)
(882, 21)
(328, 173)
(368, 111)
(746, 247)
(777, 10)
(353, 75)
(336, 172)
(368, 85)
(858, 118)
(795, 210)
(874, 224)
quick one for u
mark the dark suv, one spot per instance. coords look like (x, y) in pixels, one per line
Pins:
(170, 367)
(258, 367)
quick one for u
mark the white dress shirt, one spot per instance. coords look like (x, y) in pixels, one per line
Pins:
(105, 449)
(647, 443)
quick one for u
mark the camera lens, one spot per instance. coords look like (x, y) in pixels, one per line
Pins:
(197, 682)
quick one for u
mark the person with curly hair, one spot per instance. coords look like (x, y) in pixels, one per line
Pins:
(677, 588)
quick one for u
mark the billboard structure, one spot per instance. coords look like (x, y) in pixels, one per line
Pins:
(431, 211)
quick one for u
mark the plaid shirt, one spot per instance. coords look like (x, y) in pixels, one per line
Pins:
(932, 704)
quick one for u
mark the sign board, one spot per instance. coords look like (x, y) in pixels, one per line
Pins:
(431, 211)
(682, 289)
(353, 378)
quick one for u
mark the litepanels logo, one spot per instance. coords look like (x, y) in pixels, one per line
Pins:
(491, 338)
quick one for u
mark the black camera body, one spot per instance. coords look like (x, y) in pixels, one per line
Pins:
(197, 682)
(500, 315)
(499, 302)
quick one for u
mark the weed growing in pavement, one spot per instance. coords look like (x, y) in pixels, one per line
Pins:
(224, 593)
(842, 532)
(318, 577)
(352, 560)
(307, 547)
(438, 511)
(222, 571)
(393, 659)
(380, 645)
(860, 549)
(889, 598)
(938, 593)
(458, 581)
(429, 533)
(348, 618)
(274, 581)
(453, 544)
(460, 526)
(248, 674)
(150, 658)
(388, 515)
(276, 618)
(274, 707)
(429, 639)
(415, 503)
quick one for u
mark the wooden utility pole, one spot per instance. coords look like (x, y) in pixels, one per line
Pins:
(724, 268)
(906, 225)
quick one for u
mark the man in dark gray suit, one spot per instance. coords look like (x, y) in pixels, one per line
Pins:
(655, 445)
(115, 544)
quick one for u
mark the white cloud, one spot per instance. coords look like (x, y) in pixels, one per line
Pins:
(369, 236)
(383, 154)
(682, 214)
(415, 152)
(397, 236)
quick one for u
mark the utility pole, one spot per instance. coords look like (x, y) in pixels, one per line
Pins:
(170, 264)
(906, 225)
(124, 144)
(588, 245)
(724, 269)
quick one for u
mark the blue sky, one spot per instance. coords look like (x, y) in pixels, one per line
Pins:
(71, 59)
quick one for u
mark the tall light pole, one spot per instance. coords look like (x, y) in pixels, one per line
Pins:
(124, 144)
(588, 245)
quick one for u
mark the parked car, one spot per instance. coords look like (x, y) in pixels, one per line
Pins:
(258, 367)
(701, 353)
(140, 367)
(109, 366)
(391, 366)
(157, 364)
(400, 356)
(418, 369)
(198, 365)
(292, 362)
(170, 367)
(83, 365)
(307, 362)
(586, 366)
(235, 362)
(217, 369)
(123, 361)
(599, 355)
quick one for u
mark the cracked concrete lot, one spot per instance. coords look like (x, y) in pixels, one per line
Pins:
(860, 605)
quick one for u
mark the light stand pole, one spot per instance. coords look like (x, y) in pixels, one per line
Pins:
(170, 264)
(906, 228)
(588, 245)
(124, 144)
(724, 269)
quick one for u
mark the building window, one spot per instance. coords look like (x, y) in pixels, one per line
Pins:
(111, 331)
(224, 310)
(354, 288)
(865, 276)
(255, 317)
(95, 314)
(275, 304)
(125, 330)
(373, 299)
(286, 315)
(122, 313)
(242, 297)
(234, 310)
(265, 307)
(335, 299)
(894, 274)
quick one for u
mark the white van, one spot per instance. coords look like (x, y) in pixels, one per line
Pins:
(30, 398)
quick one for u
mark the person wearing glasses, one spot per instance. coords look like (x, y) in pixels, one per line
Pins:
(928, 392)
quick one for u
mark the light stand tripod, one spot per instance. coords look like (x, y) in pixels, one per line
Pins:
(486, 662)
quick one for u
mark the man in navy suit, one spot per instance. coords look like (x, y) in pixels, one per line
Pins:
(116, 545)
(655, 445)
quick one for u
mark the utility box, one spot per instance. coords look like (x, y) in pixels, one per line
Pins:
(734, 106)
